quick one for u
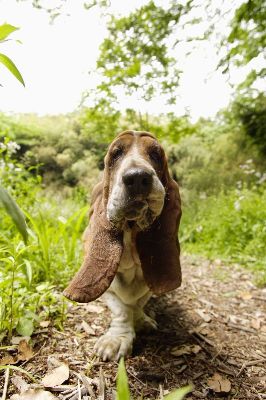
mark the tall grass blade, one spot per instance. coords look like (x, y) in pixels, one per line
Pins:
(15, 213)
(179, 394)
(122, 387)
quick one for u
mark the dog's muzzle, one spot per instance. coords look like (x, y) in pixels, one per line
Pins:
(138, 196)
(137, 185)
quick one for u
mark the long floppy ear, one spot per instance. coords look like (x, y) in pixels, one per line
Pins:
(158, 246)
(103, 250)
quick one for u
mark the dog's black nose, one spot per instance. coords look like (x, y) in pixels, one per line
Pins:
(137, 181)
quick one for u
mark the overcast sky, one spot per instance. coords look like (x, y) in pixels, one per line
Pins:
(55, 61)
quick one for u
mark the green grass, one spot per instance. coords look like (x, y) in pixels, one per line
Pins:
(123, 391)
(32, 276)
(230, 226)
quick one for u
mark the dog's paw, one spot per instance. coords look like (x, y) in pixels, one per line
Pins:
(145, 323)
(111, 347)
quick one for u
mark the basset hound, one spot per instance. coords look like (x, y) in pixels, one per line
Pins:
(131, 243)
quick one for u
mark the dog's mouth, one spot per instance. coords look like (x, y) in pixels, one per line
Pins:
(131, 224)
(135, 209)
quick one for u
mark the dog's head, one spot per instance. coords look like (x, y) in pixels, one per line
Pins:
(135, 169)
(136, 193)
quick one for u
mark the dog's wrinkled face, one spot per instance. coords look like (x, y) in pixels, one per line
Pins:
(135, 163)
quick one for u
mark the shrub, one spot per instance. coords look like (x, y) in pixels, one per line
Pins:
(230, 225)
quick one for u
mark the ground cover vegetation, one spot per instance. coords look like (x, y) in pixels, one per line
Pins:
(50, 173)
(50, 164)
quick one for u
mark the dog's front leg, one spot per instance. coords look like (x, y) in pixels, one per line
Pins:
(118, 340)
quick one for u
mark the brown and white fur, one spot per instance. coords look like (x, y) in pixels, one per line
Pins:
(131, 247)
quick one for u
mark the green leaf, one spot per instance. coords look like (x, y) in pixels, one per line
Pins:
(122, 387)
(179, 394)
(28, 270)
(11, 67)
(15, 213)
(25, 327)
(6, 30)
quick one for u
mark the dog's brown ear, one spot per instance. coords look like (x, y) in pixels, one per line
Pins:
(158, 246)
(103, 250)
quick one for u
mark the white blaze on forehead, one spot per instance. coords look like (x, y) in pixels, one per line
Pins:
(133, 160)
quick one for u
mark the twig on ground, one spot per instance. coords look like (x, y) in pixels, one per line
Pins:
(261, 298)
(79, 391)
(76, 394)
(241, 328)
(34, 355)
(135, 377)
(62, 388)
(226, 371)
(102, 387)
(161, 392)
(249, 364)
(87, 383)
(6, 384)
(209, 342)
(203, 346)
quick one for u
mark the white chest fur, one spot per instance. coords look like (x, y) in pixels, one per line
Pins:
(129, 284)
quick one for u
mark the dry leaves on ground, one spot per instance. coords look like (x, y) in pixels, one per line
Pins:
(219, 384)
(33, 394)
(25, 351)
(180, 351)
(57, 376)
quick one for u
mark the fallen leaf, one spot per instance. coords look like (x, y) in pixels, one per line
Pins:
(33, 394)
(87, 328)
(17, 339)
(245, 295)
(8, 360)
(25, 352)
(94, 308)
(45, 324)
(57, 376)
(219, 384)
(205, 317)
(180, 351)
(239, 321)
(255, 323)
(20, 383)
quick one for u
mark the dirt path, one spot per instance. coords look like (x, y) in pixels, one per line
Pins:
(215, 324)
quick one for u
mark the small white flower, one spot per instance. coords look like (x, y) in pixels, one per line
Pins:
(202, 195)
(237, 205)
(199, 228)
(12, 147)
(262, 179)
(11, 166)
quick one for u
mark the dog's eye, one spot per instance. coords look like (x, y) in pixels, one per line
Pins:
(117, 153)
(155, 156)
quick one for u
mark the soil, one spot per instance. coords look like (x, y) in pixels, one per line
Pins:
(214, 324)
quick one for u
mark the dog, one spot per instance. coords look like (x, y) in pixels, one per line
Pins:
(131, 243)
